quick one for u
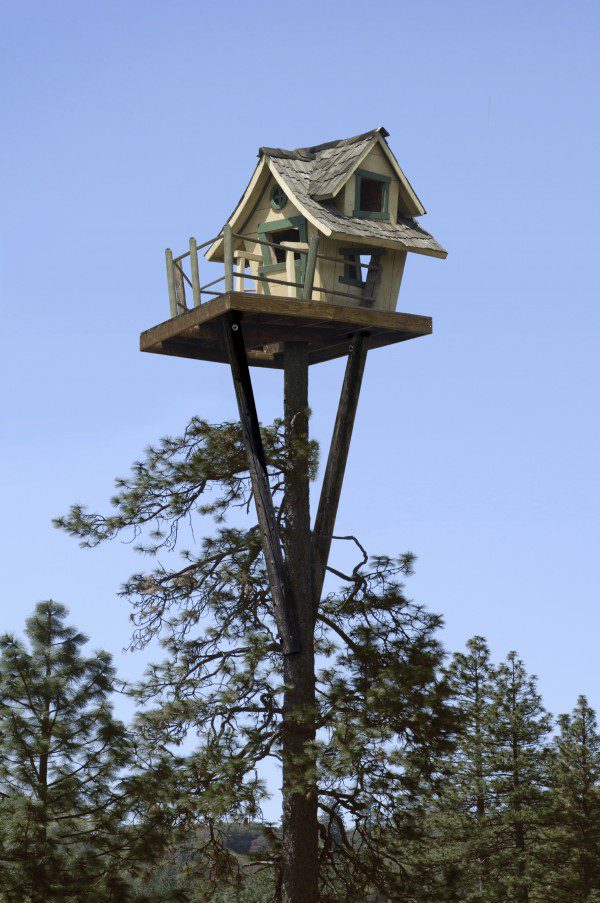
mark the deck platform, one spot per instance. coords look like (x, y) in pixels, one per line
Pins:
(266, 322)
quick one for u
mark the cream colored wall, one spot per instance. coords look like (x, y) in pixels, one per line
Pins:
(328, 276)
(327, 272)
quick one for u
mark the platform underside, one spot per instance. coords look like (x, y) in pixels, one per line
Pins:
(267, 322)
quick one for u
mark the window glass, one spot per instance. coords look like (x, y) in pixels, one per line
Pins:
(371, 195)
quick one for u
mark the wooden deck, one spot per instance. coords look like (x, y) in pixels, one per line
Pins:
(268, 321)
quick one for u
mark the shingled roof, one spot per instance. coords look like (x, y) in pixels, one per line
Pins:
(330, 163)
(312, 176)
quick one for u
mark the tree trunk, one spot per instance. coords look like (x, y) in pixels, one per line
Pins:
(522, 889)
(299, 821)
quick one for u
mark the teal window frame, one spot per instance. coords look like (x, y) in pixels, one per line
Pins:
(346, 278)
(268, 268)
(384, 214)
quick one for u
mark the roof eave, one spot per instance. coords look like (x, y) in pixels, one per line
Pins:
(393, 244)
(282, 181)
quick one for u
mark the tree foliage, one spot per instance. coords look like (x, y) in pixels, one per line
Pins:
(434, 783)
(383, 718)
(573, 837)
(68, 827)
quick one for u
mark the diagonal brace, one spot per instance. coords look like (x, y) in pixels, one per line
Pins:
(336, 464)
(283, 602)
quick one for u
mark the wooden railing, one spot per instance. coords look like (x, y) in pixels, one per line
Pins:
(234, 279)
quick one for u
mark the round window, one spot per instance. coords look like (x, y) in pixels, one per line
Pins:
(278, 198)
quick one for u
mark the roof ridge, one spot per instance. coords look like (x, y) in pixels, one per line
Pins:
(314, 149)
(310, 152)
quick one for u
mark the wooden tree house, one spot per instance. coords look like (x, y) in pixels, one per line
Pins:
(312, 258)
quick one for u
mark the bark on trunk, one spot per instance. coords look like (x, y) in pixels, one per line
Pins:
(299, 821)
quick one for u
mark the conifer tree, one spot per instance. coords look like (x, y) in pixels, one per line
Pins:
(67, 831)
(381, 718)
(574, 826)
(453, 858)
(519, 728)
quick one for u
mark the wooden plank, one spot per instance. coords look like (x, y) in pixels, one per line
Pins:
(195, 272)
(171, 282)
(322, 310)
(311, 263)
(290, 273)
(246, 255)
(241, 274)
(228, 255)
(283, 602)
(336, 464)
(180, 288)
(319, 311)
(299, 246)
(328, 328)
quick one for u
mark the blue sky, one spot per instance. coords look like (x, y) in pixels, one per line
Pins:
(130, 126)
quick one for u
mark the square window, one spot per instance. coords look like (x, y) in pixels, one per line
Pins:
(283, 235)
(356, 267)
(371, 195)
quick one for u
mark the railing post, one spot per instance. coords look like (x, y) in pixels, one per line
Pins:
(311, 264)
(171, 282)
(228, 255)
(195, 275)
(180, 288)
(290, 272)
(241, 268)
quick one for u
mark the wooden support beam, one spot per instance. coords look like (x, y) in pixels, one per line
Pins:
(283, 602)
(171, 282)
(239, 279)
(228, 257)
(290, 271)
(180, 289)
(311, 263)
(336, 464)
(195, 272)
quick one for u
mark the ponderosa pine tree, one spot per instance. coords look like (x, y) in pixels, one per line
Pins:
(380, 719)
(573, 837)
(68, 830)
(453, 857)
(519, 729)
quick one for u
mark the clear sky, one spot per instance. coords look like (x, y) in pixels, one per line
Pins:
(129, 126)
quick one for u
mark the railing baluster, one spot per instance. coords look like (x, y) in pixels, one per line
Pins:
(195, 275)
(228, 255)
(290, 271)
(171, 282)
(239, 280)
(180, 289)
(311, 263)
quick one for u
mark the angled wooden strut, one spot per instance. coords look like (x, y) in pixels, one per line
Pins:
(283, 602)
(336, 464)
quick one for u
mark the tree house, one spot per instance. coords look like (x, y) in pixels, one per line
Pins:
(310, 266)
(314, 251)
